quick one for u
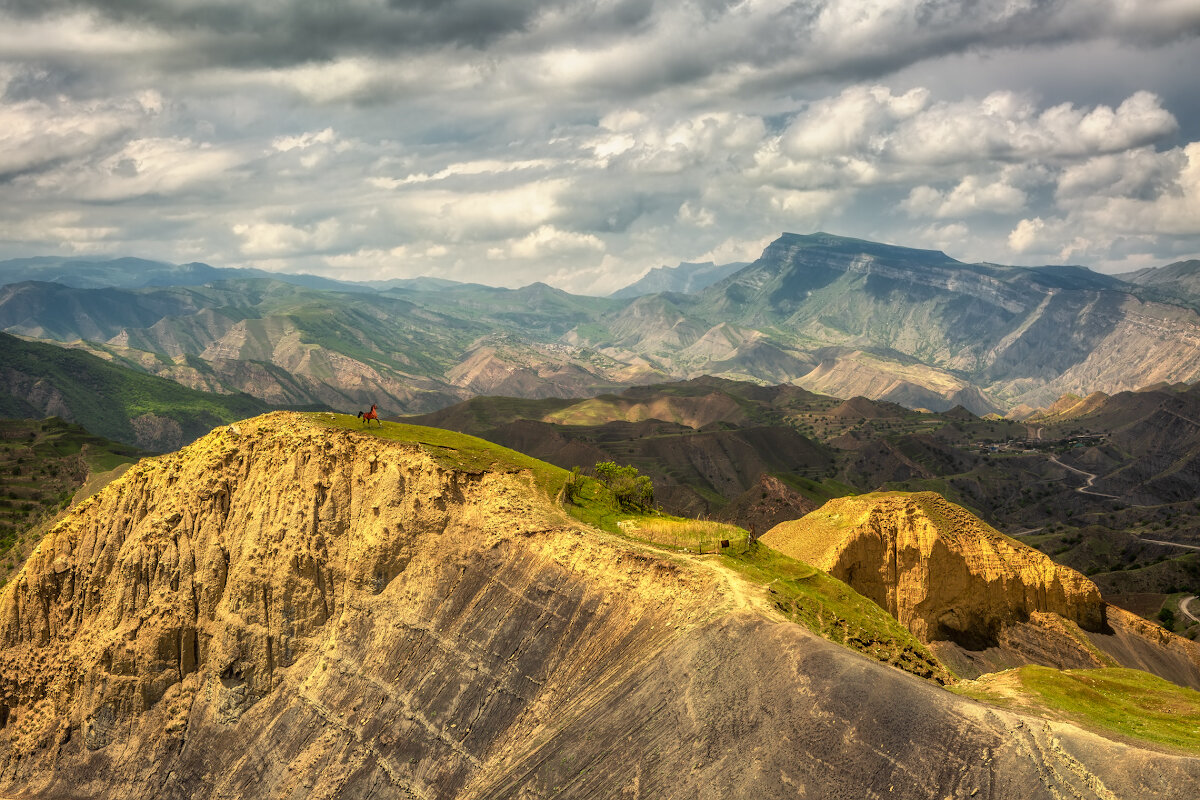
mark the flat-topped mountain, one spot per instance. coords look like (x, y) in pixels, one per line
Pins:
(287, 608)
(846, 316)
(1000, 329)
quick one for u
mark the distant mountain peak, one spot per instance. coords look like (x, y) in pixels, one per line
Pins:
(687, 278)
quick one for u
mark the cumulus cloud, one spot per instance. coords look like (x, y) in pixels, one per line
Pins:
(620, 48)
(37, 134)
(853, 122)
(1141, 173)
(1007, 126)
(303, 141)
(699, 217)
(1165, 199)
(273, 239)
(869, 135)
(1030, 234)
(1116, 217)
(159, 167)
(953, 237)
(973, 195)
(69, 230)
(548, 241)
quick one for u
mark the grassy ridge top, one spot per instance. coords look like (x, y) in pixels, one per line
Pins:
(806, 595)
(451, 449)
(1126, 702)
(834, 611)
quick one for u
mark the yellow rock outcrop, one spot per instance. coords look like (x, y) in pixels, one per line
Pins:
(937, 568)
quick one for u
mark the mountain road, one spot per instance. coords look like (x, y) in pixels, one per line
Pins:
(1091, 478)
(1184, 606)
(1174, 544)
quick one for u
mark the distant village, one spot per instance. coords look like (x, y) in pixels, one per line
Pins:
(1033, 444)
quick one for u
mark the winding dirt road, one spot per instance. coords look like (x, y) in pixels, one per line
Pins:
(1187, 612)
(1091, 478)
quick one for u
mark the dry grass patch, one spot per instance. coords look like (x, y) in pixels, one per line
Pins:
(697, 536)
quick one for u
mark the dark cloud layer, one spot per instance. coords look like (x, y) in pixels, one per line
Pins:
(858, 40)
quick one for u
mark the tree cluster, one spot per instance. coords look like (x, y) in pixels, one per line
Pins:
(631, 490)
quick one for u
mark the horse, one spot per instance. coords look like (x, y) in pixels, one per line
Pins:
(367, 416)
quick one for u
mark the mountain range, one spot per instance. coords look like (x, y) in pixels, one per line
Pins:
(1178, 282)
(299, 605)
(840, 316)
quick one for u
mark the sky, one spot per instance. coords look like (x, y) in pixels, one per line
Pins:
(583, 142)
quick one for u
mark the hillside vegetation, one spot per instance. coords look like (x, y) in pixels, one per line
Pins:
(1127, 703)
(114, 402)
(758, 455)
(43, 463)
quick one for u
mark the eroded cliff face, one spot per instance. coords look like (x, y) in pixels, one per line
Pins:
(264, 562)
(937, 568)
(288, 611)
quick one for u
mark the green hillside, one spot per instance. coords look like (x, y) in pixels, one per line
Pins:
(111, 401)
(43, 463)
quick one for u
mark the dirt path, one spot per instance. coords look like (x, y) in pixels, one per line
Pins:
(1184, 607)
(1174, 544)
(741, 592)
(1091, 478)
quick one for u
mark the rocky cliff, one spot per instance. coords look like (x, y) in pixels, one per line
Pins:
(936, 567)
(983, 601)
(288, 610)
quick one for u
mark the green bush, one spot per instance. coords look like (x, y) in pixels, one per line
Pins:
(573, 486)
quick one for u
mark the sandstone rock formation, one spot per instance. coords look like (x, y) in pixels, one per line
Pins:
(983, 601)
(937, 568)
(286, 610)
